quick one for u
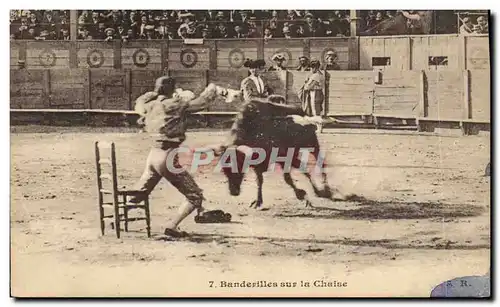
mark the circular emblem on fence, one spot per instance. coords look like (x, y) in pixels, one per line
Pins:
(95, 58)
(189, 58)
(236, 58)
(323, 54)
(141, 58)
(286, 53)
(47, 58)
(479, 56)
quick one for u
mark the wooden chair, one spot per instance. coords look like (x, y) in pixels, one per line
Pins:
(107, 185)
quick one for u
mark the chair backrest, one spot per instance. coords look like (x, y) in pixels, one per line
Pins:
(106, 168)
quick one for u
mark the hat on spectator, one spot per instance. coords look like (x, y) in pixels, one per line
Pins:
(149, 27)
(303, 57)
(466, 19)
(480, 18)
(309, 15)
(252, 18)
(278, 57)
(254, 64)
(220, 14)
(331, 53)
(110, 30)
(286, 30)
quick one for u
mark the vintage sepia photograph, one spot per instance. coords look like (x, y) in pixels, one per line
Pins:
(246, 153)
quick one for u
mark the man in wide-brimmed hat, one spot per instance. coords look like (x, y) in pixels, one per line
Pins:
(331, 59)
(239, 32)
(303, 64)
(278, 60)
(110, 33)
(312, 93)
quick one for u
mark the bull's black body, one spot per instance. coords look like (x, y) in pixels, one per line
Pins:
(266, 125)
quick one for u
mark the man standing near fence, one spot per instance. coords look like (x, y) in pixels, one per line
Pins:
(312, 93)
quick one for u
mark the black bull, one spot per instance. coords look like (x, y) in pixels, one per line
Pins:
(266, 126)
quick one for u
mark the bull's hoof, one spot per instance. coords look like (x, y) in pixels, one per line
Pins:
(256, 204)
(300, 194)
(309, 204)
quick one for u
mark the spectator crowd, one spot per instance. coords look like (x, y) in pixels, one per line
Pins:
(128, 25)
(39, 24)
(468, 27)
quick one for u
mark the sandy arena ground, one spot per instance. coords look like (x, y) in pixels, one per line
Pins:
(426, 220)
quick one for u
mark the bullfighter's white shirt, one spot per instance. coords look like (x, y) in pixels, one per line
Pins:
(259, 83)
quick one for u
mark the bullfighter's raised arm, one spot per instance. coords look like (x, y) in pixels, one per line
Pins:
(208, 95)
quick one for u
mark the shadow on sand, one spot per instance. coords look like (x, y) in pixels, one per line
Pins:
(368, 210)
(374, 210)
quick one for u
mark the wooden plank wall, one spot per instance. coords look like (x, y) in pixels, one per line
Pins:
(68, 88)
(142, 55)
(480, 94)
(99, 54)
(445, 94)
(350, 92)
(109, 90)
(342, 46)
(478, 53)
(16, 53)
(397, 94)
(406, 52)
(427, 46)
(177, 50)
(50, 55)
(295, 80)
(28, 89)
(396, 48)
(231, 54)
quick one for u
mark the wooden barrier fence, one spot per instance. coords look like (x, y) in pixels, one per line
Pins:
(430, 52)
(444, 95)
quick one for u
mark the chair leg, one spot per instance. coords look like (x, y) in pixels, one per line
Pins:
(102, 224)
(148, 217)
(117, 218)
(125, 212)
(101, 218)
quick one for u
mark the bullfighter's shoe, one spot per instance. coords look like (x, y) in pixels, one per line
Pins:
(175, 233)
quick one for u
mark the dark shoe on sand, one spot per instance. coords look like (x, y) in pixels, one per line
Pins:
(213, 216)
(175, 233)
